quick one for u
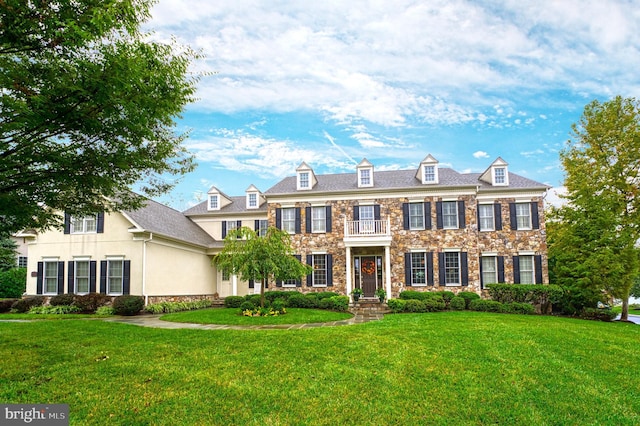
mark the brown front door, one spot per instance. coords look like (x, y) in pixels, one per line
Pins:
(368, 274)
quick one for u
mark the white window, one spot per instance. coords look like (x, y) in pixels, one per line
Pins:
(318, 219)
(252, 200)
(319, 270)
(429, 174)
(289, 283)
(262, 227)
(231, 225)
(50, 277)
(452, 268)
(84, 225)
(213, 202)
(22, 261)
(523, 215)
(115, 274)
(418, 269)
(304, 179)
(225, 275)
(289, 220)
(527, 270)
(450, 214)
(81, 280)
(485, 212)
(499, 176)
(489, 270)
(416, 216)
(367, 219)
(365, 177)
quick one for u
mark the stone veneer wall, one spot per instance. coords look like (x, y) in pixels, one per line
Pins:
(505, 243)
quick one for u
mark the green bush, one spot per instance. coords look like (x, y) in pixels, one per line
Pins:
(13, 283)
(278, 305)
(414, 295)
(233, 301)
(300, 300)
(67, 299)
(598, 314)
(55, 309)
(325, 294)
(447, 296)
(90, 302)
(23, 305)
(273, 295)
(335, 303)
(247, 305)
(414, 305)
(6, 304)
(396, 305)
(105, 310)
(485, 305)
(127, 305)
(468, 296)
(534, 294)
(458, 304)
(434, 303)
(518, 308)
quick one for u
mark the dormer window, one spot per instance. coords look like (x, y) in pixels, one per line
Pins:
(214, 202)
(428, 171)
(304, 180)
(429, 174)
(365, 174)
(365, 177)
(499, 176)
(252, 200)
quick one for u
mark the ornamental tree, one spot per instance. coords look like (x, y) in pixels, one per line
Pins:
(87, 109)
(251, 256)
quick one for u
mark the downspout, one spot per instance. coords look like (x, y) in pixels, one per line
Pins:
(144, 269)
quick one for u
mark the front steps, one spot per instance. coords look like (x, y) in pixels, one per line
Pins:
(368, 306)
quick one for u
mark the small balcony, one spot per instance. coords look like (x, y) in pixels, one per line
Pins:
(367, 232)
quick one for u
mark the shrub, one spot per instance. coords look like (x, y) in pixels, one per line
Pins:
(598, 314)
(325, 294)
(55, 309)
(255, 299)
(23, 305)
(297, 300)
(233, 301)
(247, 305)
(5, 304)
(485, 305)
(434, 303)
(63, 300)
(325, 303)
(413, 295)
(336, 303)
(13, 283)
(468, 296)
(273, 295)
(414, 305)
(105, 310)
(447, 296)
(396, 305)
(127, 305)
(278, 305)
(90, 302)
(535, 294)
(458, 303)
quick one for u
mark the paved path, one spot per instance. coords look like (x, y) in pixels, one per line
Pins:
(155, 322)
(632, 318)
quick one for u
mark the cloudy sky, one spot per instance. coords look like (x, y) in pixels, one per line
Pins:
(332, 82)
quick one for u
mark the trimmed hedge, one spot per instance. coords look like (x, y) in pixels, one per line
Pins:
(22, 306)
(483, 305)
(6, 304)
(233, 301)
(396, 305)
(89, 303)
(598, 314)
(169, 307)
(468, 297)
(67, 299)
(127, 305)
(536, 294)
(458, 304)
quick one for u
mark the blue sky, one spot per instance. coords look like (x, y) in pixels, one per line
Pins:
(332, 82)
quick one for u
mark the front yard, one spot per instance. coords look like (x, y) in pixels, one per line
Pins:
(440, 368)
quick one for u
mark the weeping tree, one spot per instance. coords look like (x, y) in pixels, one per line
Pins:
(251, 256)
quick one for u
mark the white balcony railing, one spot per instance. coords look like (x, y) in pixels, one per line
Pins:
(367, 228)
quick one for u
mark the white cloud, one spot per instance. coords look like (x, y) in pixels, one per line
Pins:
(554, 196)
(480, 154)
(532, 153)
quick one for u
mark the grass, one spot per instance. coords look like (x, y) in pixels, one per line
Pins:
(440, 369)
(230, 316)
(34, 317)
(618, 309)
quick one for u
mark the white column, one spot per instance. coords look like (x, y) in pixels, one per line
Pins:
(348, 263)
(387, 270)
(234, 285)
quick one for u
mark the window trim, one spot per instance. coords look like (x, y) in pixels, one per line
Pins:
(84, 220)
(22, 261)
(528, 227)
(212, 197)
(75, 275)
(494, 262)
(252, 196)
(368, 177)
(523, 272)
(457, 224)
(411, 216)
(494, 176)
(426, 167)
(326, 270)
(304, 180)
(446, 269)
(289, 221)
(315, 221)
(492, 208)
(108, 276)
(45, 262)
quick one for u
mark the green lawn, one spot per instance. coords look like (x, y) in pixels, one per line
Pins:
(411, 369)
(230, 316)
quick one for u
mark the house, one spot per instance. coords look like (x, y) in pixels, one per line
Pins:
(427, 228)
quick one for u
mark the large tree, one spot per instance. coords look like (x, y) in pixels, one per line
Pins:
(598, 230)
(254, 257)
(87, 109)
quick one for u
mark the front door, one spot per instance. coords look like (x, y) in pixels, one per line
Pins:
(368, 275)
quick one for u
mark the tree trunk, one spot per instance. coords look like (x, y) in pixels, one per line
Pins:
(624, 316)
(262, 286)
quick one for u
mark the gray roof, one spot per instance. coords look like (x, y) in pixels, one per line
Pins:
(237, 205)
(158, 218)
(398, 179)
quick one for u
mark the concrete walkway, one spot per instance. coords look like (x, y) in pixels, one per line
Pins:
(154, 321)
(632, 318)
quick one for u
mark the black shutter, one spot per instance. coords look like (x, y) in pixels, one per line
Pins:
(407, 269)
(478, 222)
(238, 224)
(298, 229)
(535, 220)
(427, 215)
(299, 280)
(252, 284)
(329, 270)
(278, 283)
(461, 215)
(537, 262)
(103, 276)
(279, 218)
(500, 269)
(307, 219)
(92, 276)
(126, 277)
(441, 269)
(512, 216)
(328, 219)
(376, 212)
(405, 215)
(100, 224)
(256, 225)
(356, 212)
(481, 268)
(310, 276)
(429, 268)
(439, 223)
(40, 278)
(516, 270)
(70, 277)
(67, 223)
(497, 216)
(464, 268)
(60, 277)
(224, 229)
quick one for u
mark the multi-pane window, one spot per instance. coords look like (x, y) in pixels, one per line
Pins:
(231, 225)
(489, 270)
(289, 220)
(416, 216)
(523, 215)
(499, 175)
(318, 219)
(84, 225)
(253, 200)
(289, 283)
(50, 277)
(319, 269)
(262, 227)
(367, 217)
(418, 269)
(213, 202)
(527, 274)
(81, 276)
(452, 268)
(225, 275)
(485, 212)
(114, 276)
(22, 261)
(450, 214)
(429, 173)
(304, 180)
(365, 177)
